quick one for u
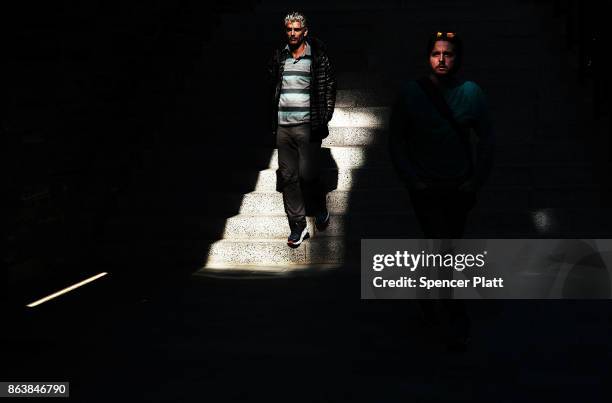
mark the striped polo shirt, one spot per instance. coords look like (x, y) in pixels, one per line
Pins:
(294, 103)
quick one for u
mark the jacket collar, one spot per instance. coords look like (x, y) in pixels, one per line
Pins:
(307, 51)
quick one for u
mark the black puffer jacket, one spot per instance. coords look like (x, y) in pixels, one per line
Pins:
(322, 87)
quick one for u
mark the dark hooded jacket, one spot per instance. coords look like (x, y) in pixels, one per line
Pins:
(322, 87)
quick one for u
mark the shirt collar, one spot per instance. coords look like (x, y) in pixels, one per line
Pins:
(307, 51)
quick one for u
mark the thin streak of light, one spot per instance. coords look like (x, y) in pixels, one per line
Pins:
(65, 290)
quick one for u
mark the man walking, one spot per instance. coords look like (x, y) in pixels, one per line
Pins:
(430, 142)
(304, 95)
(431, 149)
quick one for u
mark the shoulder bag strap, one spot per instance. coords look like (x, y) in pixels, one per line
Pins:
(438, 101)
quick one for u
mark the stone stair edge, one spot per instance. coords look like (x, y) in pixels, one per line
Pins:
(379, 145)
(388, 168)
(271, 268)
(407, 211)
(402, 189)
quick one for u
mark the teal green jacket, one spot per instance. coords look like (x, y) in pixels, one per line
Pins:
(424, 146)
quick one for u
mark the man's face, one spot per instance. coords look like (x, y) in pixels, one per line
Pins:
(295, 33)
(442, 58)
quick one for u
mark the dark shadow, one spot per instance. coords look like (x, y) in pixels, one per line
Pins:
(328, 177)
(127, 157)
(126, 154)
(506, 208)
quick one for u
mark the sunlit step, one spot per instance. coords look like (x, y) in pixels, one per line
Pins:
(345, 157)
(511, 135)
(396, 199)
(360, 117)
(384, 176)
(275, 252)
(404, 223)
(364, 97)
(389, 223)
(338, 202)
(355, 136)
(349, 226)
(340, 179)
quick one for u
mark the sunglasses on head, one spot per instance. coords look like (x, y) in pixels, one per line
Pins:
(449, 35)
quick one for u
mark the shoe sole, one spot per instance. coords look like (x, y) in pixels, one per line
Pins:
(323, 226)
(305, 235)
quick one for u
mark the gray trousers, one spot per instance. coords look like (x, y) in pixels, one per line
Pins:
(298, 174)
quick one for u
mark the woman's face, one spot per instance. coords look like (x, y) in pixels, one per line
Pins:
(442, 58)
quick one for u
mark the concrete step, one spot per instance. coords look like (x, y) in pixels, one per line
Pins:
(385, 177)
(372, 117)
(190, 160)
(340, 179)
(242, 226)
(546, 140)
(359, 107)
(488, 79)
(226, 204)
(520, 117)
(404, 223)
(338, 202)
(350, 98)
(501, 104)
(397, 199)
(346, 157)
(491, 222)
(355, 136)
(275, 252)
(331, 249)
(482, 221)
(542, 132)
(360, 117)
(352, 226)
(243, 180)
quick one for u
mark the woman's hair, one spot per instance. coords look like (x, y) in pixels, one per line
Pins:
(451, 37)
(296, 16)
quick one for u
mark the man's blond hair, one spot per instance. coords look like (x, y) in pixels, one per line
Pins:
(296, 16)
